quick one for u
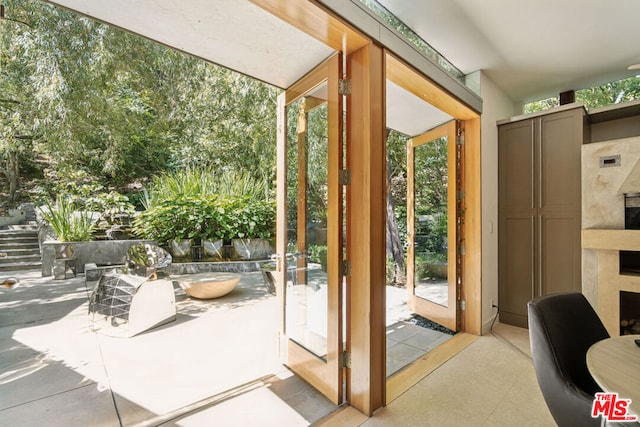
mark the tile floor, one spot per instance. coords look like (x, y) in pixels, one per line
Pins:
(490, 383)
(407, 342)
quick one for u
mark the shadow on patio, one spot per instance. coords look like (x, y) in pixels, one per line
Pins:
(217, 361)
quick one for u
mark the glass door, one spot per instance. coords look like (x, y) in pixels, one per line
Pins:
(309, 236)
(432, 276)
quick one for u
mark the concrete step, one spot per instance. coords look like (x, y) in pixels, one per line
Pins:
(21, 227)
(19, 248)
(20, 266)
(20, 258)
(18, 234)
(17, 244)
(21, 251)
(16, 230)
(4, 246)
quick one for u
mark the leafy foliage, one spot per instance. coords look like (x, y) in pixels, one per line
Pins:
(110, 205)
(208, 218)
(85, 101)
(595, 97)
(610, 93)
(69, 224)
(318, 254)
(203, 182)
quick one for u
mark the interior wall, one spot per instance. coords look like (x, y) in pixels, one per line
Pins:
(496, 106)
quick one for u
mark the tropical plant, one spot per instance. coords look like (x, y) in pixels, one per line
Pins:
(203, 182)
(251, 219)
(69, 224)
(111, 205)
(206, 218)
(79, 95)
(176, 219)
(318, 254)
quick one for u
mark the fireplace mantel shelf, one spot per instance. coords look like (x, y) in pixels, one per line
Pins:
(611, 239)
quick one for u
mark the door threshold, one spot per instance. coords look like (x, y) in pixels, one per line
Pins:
(345, 416)
(413, 373)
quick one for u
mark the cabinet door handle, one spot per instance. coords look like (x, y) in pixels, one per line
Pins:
(540, 259)
(533, 166)
(541, 169)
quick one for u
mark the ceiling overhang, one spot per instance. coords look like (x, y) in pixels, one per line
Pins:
(279, 42)
(236, 34)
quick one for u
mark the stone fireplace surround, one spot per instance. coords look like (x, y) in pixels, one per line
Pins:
(603, 234)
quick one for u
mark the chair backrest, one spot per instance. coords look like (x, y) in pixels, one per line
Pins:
(562, 327)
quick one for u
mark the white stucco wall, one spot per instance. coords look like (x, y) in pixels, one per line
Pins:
(496, 106)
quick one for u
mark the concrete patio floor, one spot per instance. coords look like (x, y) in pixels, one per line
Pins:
(55, 371)
(217, 362)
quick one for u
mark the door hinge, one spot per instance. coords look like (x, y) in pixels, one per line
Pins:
(459, 133)
(345, 177)
(460, 194)
(344, 87)
(462, 305)
(346, 359)
(346, 268)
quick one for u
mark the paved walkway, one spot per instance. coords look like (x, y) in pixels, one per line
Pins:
(55, 371)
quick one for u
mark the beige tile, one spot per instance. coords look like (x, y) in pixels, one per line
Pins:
(491, 382)
(519, 337)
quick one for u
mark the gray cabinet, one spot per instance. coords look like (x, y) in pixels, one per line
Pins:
(539, 209)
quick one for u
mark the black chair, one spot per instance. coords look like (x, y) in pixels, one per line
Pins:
(562, 327)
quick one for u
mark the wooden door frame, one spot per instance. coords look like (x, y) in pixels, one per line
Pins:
(398, 72)
(446, 316)
(369, 65)
(325, 375)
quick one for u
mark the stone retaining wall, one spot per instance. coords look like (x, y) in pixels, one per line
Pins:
(99, 252)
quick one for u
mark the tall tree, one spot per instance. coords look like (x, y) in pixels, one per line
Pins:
(93, 102)
(396, 202)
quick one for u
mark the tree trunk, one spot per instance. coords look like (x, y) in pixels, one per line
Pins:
(13, 174)
(394, 244)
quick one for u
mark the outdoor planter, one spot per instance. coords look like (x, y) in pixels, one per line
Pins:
(181, 249)
(246, 249)
(64, 265)
(65, 250)
(186, 250)
(212, 250)
(99, 252)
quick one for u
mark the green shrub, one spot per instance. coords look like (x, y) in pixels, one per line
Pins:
(176, 219)
(210, 218)
(197, 182)
(250, 219)
(110, 205)
(69, 225)
(427, 266)
(318, 253)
